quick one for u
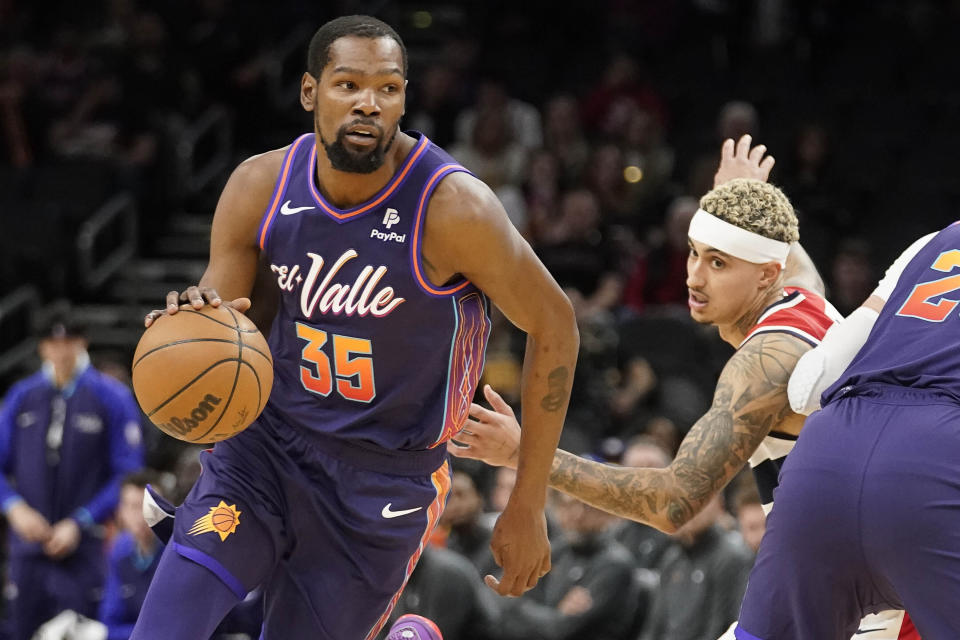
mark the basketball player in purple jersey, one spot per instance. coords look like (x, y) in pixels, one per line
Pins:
(868, 504)
(384, 251)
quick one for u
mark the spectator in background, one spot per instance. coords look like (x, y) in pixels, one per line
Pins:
(634, 397)
(503, 480)
(466, 531)
(659, 275)
(735, 119)
(851, 275)
(589, 593)
(435, 104)
(702, 580)
(664, 432)
(563, 136)
(68, 435)
(132, 561)
(751, 520)
(622, 81)
(596, 372)
(814, 182)
(493, 155)
(648, 165)
(604, 176)
(15, 78)
(579, 254)
(59, 79)
(542, 190)
(523, 123)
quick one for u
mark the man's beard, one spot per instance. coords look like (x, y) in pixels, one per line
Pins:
(343, 159)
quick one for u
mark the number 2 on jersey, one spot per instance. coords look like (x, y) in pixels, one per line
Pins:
(352, 365)
(918, 305)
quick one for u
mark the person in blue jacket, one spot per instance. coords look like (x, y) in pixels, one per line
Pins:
(131, 562)
(68, 435)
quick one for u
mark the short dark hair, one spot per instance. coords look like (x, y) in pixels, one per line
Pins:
(61, 325)
(141, 478)
(318, 55)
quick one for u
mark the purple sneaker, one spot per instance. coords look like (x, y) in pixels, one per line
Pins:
(413, 627)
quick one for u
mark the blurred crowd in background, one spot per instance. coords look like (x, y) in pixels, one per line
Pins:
(597, 125)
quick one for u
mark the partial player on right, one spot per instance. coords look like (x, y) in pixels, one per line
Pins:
(867, 511)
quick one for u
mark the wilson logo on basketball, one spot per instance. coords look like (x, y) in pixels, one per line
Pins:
(183, 426)
(222, 520)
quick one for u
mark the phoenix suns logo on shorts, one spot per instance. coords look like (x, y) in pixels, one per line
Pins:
(222, 520)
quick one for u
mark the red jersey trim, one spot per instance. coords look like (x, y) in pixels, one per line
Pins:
(799, 313)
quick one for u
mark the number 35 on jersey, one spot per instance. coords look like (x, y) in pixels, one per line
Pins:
(351, 367)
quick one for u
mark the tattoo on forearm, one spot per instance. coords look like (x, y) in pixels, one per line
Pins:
(630, 493)
(750, 399)
(556, 389)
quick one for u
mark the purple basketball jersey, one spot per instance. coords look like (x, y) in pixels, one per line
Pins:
(364, 346)
(913, 343)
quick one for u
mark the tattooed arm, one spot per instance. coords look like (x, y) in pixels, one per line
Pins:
(750, 400)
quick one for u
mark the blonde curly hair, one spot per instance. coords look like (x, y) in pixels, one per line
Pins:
(753, 205)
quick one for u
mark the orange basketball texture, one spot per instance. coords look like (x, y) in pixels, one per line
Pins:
(202, 375)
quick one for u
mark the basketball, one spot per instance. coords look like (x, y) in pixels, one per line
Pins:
(202, 375)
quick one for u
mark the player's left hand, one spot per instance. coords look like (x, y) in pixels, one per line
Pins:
(740, 160)
(490, 436)
(519, 545)
(63, 540)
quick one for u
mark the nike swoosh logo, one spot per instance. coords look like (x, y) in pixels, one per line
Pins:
(287, 210)
(859, 631)
(389, 513)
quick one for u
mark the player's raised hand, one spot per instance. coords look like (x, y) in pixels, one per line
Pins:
(194, 297)
(519, 545)
(490, 436)
(740, 160)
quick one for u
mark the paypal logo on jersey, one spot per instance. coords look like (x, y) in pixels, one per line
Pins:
(390, 218)
(326, 296)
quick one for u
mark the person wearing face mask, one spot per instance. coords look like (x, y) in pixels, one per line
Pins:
(68, 435)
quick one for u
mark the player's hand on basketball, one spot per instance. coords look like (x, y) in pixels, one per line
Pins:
(28, 523)
(740, 160)
(64, 538)
(519, 545)
(490, 436)
(194, 297)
